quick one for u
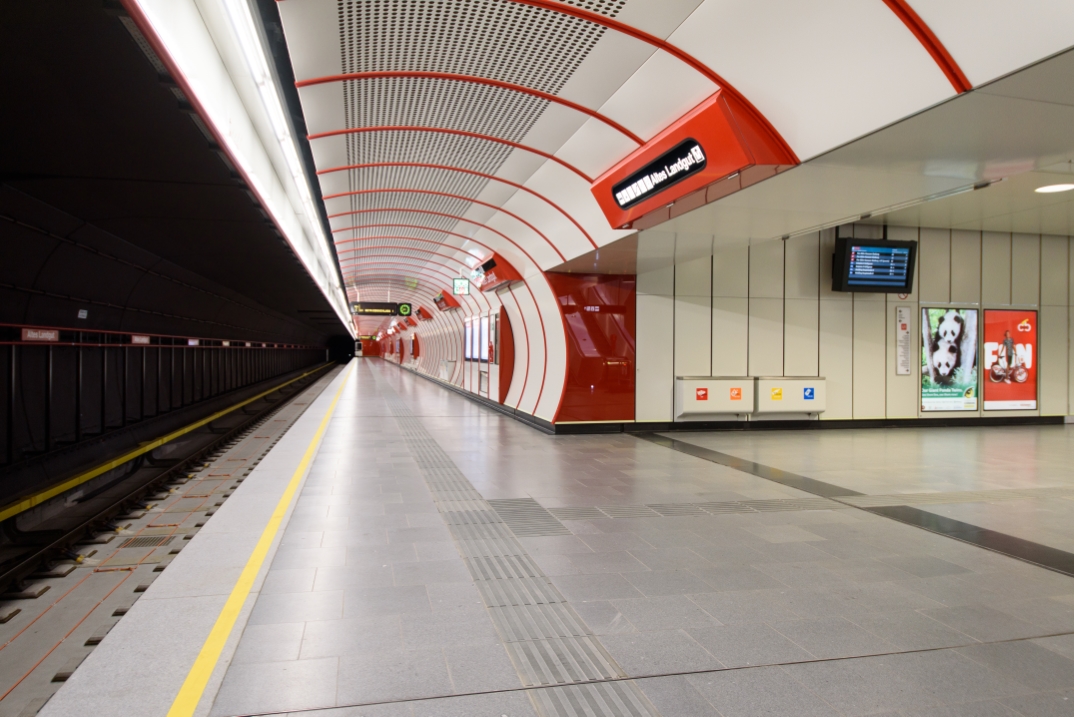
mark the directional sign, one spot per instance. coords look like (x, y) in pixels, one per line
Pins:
(380, 308)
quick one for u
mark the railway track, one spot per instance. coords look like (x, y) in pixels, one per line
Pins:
(70, 578)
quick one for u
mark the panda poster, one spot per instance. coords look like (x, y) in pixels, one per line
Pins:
(948, 359)
(1010, 360)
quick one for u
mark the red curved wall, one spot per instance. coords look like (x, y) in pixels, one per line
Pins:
(599, 316)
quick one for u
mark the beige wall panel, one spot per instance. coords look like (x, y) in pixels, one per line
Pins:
(1054, 272)
(934, 256)
(995, 268)
(655, 370)
(965, 266)
(870, 355)
(800, 335)
(909, 234)
(659, 281)
(802, 270)
(731, 272)
(824, 262)
(836, 356)
(766, 337)
(693, 278)
(766, 270)
(693, 324)
(730, 336)
(1025, 269)
(1054, 361)
(866, 231)
(903, 391)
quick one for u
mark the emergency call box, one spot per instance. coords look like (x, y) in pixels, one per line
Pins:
(712, 397)
(791, 394)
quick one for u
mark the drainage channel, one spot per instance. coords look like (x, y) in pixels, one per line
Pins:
(43, 640)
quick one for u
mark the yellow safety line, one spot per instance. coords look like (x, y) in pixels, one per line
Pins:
(194, 686)
(39, 498)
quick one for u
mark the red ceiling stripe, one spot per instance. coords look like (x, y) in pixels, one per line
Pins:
(931, 43)
(453, 77)
(339, 244)
(387, 190)
(459, 132)
(407, 226)
(667, 47)
(433, 229)
(465, 171)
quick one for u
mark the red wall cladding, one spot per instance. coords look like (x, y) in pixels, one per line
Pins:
(599, 320)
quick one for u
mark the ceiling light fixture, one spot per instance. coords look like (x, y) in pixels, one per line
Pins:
(1054, 188)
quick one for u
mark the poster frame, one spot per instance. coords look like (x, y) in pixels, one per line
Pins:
(923, 307)
(1035, 310)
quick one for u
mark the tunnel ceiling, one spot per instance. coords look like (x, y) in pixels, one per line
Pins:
(99, 147)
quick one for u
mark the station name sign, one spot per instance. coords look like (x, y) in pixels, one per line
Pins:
(380, 308)
(685, 159)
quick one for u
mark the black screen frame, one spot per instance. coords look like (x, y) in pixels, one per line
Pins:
(841, 266)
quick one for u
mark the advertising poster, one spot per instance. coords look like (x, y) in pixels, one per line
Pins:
(948, 359)
(1010, 360)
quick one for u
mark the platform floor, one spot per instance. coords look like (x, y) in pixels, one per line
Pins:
(442, 559)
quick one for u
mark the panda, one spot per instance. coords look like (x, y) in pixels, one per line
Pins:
(950, 327)
(946, 357)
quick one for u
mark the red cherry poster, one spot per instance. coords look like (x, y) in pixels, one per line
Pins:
(1010, 360)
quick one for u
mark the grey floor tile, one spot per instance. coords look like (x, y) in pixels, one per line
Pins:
(906, 681)
(295, 580)
(448, 629)
(334, 638)
(594, 587)
(393, 675)
(807, 576)
(662, 559)
(431, 571)
(269, 643)
(380, 555)
(480, 668)
(602, 617)
(617, 561)
(1052, 614)
(832, 637)
(297, 607)
(661, 652)
(554, 545)
(990, 708)
(1036, 667)
(373, 602)
(746, 606)
(1050, 704)
(676, 697)
(419, 535)
(910, 630)
(737, 578)
(923, 566)
(509, 704)
(1062, 644)
(308, 557)
(670, 612)
(607, 542)
(277, 687)
(672, 582)
(984, 623)
(748, 644)
(761, 692)
(350, 576)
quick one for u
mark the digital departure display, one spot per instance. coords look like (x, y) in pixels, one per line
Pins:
(687, 158)
(876, 266)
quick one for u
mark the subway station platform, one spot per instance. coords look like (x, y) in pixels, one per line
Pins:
(437, 558)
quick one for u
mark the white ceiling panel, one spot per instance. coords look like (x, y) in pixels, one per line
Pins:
(312, 31)
(555, 126)
(656, 95)
(323, 107)
(614, 59)
(595, 147)
(989, 38)
(576, 201)
(659, 18)
(826, 73)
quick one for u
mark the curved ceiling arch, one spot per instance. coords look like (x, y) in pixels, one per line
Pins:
(453, 77)
(455, 132)
(434, 193)
(462, 170)
(414, 226)
(446, 216)
(397, 246)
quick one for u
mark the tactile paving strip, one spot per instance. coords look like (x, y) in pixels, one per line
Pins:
(548, 643)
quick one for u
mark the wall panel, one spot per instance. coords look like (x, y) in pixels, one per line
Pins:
(836, 356)
(1054, 360)
(655, 366)
(934, 257)
(800, 337)
(730, 336)
(965, 267)
(995, 268)
(1025, 269)
(870, 355)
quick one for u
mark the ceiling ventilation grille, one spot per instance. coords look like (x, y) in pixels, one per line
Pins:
(436, 180)
(487, 38)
